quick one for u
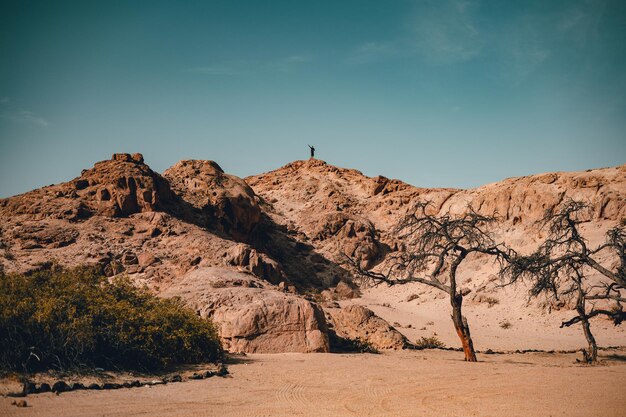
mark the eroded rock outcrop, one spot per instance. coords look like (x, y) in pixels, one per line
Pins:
(348, 234)
(219, 199)
(359, 323)
(119, 187)
(256, 262)
(524, 200)
(252, 315)
(342, 211)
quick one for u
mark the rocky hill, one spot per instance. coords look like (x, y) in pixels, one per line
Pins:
(342, 211)
(263, 256)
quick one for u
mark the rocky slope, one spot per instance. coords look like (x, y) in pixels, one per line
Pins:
(263, 256)
(342, 211)
(176, 233)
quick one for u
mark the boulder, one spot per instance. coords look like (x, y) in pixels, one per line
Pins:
(252, 315)
(258, 263)
(356, 322)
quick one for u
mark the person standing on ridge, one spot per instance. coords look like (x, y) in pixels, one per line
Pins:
(312, 151)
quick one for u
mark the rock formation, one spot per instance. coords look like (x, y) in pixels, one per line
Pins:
(359, 323)
(119, 187)
(220, 200)
(252, 315)
(253, 257)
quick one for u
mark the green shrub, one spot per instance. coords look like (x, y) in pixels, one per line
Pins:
(68, 319)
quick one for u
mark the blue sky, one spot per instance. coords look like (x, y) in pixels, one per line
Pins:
(444, 93)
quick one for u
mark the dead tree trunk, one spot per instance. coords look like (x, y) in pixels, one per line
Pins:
(591, 355)
(460, 322)
(462, 328)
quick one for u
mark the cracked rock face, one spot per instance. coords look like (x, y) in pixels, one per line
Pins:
(252, 315)
(218, 199)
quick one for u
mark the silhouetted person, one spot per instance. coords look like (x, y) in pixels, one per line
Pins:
(312, 151)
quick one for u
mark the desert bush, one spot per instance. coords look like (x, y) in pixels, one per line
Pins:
(491, 301)
(70, 319)
(506, 324)
(432, 342)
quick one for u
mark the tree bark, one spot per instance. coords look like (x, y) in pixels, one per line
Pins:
(460, 322)
(591, 355)
(462, 328)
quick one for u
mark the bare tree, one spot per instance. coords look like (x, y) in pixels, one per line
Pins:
(433, 248)
(562, 267)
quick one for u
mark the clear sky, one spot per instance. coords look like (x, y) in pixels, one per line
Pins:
(436, 93)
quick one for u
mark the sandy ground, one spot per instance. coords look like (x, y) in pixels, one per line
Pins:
(407, 383)
(529, 327)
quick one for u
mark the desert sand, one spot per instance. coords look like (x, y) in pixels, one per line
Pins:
(509, 325)
(400, 383)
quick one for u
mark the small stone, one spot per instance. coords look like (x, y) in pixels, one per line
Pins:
(129, 258)
(124, 157)
(222, 371)
(147, 259)
(76, 386)
(29, 388)
(20, 403)
(157, 382)
(44, 388)
(81, 184)
(94, 386)
(60, 386)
